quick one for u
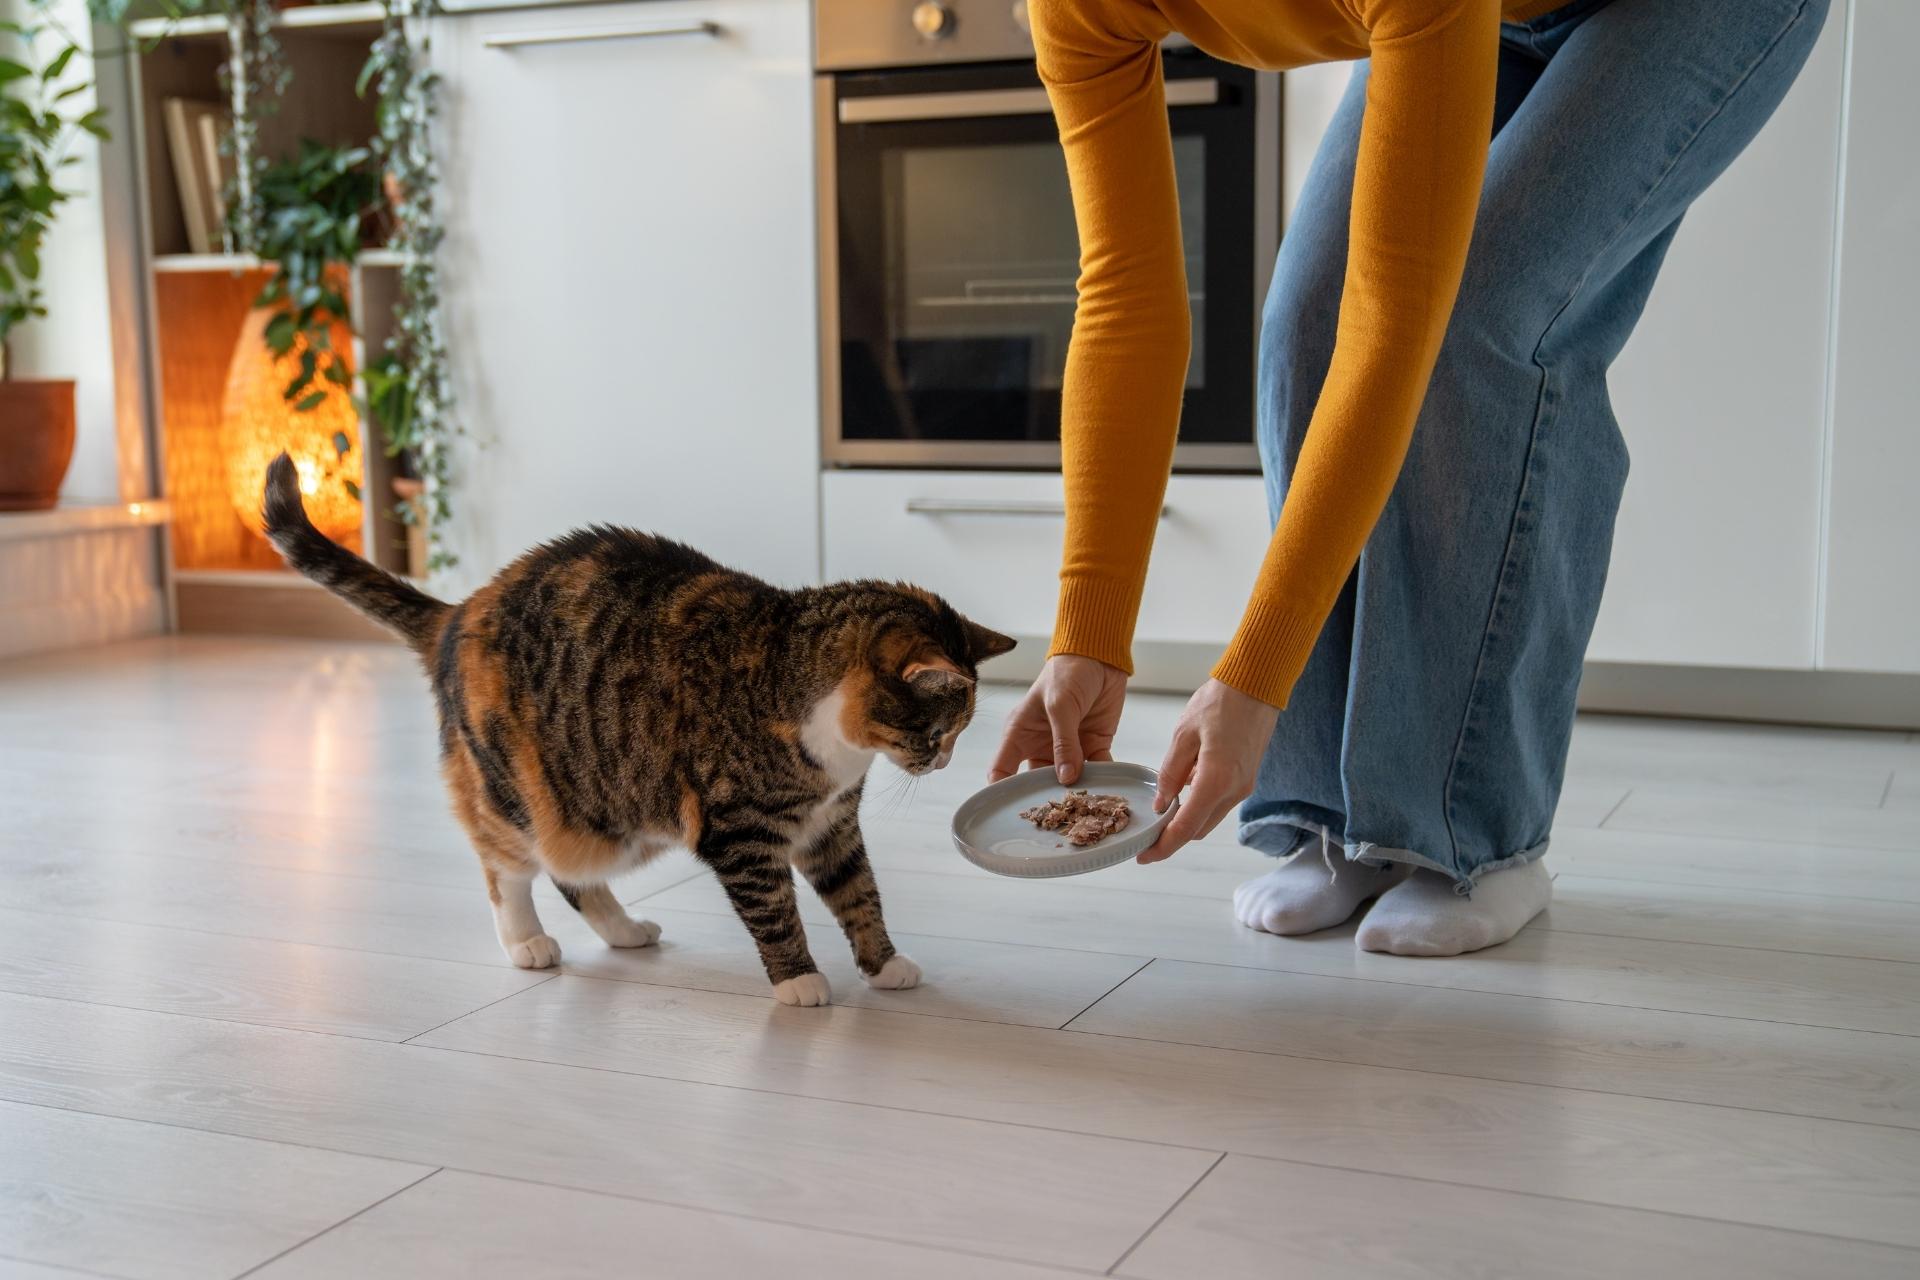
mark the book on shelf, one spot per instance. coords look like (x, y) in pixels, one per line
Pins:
(219, 170)
(193, 145)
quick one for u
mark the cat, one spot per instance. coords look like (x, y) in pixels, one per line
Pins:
(611, 694)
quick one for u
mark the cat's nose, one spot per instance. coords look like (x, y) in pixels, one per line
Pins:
(940, 761)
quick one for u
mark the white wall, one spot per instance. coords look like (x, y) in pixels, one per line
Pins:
(73, 341)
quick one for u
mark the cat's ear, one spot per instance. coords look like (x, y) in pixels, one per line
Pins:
(936, 677)
(984, 642)
(937, 670)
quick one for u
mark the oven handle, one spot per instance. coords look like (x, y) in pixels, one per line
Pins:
(979, 103)
(646, 31)
(991, 507)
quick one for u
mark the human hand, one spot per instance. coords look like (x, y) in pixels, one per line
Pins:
(1067, 718)
(1217, 745)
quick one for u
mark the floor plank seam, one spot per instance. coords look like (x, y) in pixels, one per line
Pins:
(1604, 1204)
(837, 1102)
(334, 1225)
(1590, 873)
(1505, 1080)
(63, 1267)
(768, 995)
(481, 964)
(488, 1005)
(1191, 1188)
(1422, 986)
(1602, 824)
(1104, 994)
(1264, 1053)
(1246, 1155)
(1528, 995)
(264, 937)
(843, 1232)
(281, 868)
(1854, 846)
(223, 1133)
(1724, 946)
(225, 1022)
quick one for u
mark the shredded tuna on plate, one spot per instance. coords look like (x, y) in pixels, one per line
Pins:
(1084, 819)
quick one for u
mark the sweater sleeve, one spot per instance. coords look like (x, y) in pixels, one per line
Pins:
(1127, 361)
(1423, 152)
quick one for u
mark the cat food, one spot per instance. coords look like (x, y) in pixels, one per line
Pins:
(1084, 819)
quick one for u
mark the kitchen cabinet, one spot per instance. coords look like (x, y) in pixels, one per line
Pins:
(629, 277)
(1721, 394)
(990, 543)
(1722, 391)
(1872, 615)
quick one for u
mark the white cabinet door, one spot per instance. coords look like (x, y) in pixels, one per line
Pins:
(629, 277)
(1721, 394)
(1872, 619)
(990, 543)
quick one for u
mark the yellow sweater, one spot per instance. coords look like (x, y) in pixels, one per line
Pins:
(1423, 148)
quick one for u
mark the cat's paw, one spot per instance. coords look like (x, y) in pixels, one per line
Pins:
(628, 932)
(538, 952)
(807, 990)
(897, 974)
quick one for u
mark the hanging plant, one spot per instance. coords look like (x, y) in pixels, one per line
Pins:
(409, 387)
(255, 76)
(312, 209)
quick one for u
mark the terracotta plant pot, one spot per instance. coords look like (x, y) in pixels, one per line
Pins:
(36, 442)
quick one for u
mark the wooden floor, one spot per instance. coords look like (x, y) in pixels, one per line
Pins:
(253, 1021)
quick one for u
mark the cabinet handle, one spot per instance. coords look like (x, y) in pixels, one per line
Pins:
(979, 103)
(991, 507)
(646, 32)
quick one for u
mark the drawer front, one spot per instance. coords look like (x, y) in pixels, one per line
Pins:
(990, 543)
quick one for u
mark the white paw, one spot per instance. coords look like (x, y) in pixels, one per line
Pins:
(896, 974)
(807, 990)
(628, 932)
(538, 952)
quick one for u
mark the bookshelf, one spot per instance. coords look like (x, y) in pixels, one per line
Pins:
(226, 577)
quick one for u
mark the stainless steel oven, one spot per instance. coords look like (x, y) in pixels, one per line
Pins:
(948, 252)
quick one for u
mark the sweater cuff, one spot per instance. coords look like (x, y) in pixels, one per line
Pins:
(1269, 652)
(1095, 620)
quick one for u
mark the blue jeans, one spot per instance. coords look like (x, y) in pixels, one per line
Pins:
(1431, 724)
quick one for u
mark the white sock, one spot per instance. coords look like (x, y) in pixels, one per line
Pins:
(1423, 916)
(1305, 895)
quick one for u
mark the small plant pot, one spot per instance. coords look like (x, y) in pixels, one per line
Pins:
(36, 442)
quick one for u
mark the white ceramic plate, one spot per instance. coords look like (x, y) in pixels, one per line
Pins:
(989, 831)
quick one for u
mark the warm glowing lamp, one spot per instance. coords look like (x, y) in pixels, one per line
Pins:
(257, 422)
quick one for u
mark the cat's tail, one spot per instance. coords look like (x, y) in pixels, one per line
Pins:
(386, 599)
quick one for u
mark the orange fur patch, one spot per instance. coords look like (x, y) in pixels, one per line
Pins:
(690, 819)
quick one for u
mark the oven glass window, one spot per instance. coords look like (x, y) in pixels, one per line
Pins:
(958, 255)
(975, 277)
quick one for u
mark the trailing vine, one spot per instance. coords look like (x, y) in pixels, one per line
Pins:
(410, 388)
(254, 76)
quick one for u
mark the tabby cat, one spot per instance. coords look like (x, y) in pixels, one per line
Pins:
(611, 694)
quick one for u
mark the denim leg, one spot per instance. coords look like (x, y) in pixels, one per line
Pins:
(1476, 594)
(1300, 790)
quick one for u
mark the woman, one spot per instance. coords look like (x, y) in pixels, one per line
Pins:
(1441, 458)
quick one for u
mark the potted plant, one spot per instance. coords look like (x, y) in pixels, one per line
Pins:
(39, 124)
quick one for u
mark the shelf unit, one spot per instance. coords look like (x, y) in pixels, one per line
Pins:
(224, 577)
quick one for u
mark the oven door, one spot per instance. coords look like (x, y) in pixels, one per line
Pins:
(949, 257)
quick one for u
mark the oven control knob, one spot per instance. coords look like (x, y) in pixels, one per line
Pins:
(933, 20)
